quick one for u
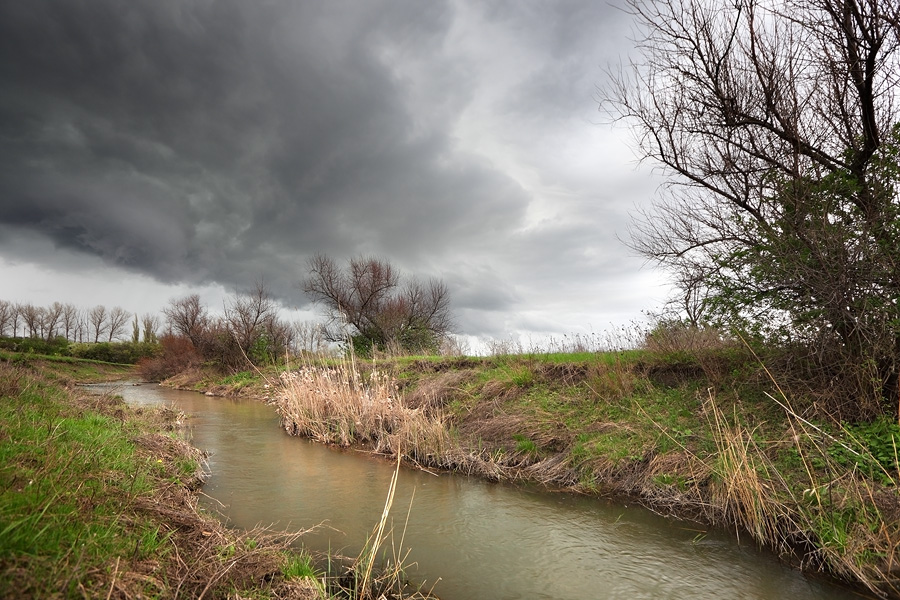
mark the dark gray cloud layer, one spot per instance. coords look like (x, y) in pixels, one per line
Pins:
(224, 141)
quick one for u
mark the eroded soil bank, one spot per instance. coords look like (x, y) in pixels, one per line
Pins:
(703, 441)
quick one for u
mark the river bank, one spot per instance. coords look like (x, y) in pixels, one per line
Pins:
(599, 424)
(709, 438)
(100, 500)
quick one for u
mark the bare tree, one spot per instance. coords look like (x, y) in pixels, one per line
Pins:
(6, 316)
(777, 122)
(33, 319)
(117, 320)
(70, 317)
(279, 337)
(309, 337)
(15, 315)
(248, 315)
(82, 325)
(366, 301)
(97, 319)
(52, 317)
(188, 317)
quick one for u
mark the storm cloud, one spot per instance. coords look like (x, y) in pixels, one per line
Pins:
(224, 142)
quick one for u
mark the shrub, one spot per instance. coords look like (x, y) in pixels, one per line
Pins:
(177, 354)
(115, 352)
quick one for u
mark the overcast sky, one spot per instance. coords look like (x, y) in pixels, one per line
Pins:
(154, 148)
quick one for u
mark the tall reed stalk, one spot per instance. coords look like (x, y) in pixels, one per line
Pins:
(370, 552)
(836, 516)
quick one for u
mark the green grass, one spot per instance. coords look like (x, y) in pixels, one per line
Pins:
(300, 567)
(93, 501)
(525, 445)
(65, 480)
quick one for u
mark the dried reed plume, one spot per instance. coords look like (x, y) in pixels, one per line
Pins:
(341, 405)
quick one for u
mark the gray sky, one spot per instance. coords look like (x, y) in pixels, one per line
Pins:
(154, 148)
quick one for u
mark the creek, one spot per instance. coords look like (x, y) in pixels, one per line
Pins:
(469, 538)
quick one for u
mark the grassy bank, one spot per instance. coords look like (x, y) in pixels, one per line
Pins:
(708, 436)
(99, 500)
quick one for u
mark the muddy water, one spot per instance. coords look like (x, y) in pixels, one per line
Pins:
(481, 540)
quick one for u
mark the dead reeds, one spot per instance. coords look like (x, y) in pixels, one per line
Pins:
(742, 476)
(342, 405)
(838, 522)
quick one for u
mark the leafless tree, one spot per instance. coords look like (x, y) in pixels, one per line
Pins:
(187, 316)
(52, 318)
(279, 338)
(309, 337)
(117, 320)
(6, 316)
(69, 319)
(16, 315)
(82, 325)
(97, 318)
(249, 315)
(33, 319)
(367, 298)
(777, 122)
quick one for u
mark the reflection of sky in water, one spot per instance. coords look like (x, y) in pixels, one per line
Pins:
(484, 540)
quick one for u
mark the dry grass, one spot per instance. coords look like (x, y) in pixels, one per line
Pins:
(841, 522)
(435, 393)
(742, 480)
(339, 405)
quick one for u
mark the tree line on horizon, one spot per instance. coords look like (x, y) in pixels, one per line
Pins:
(70, 322)
(249, 330)
(368, 309)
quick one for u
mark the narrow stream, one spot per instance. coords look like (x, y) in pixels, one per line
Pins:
(482, 540)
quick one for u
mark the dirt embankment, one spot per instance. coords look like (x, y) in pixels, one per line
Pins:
(698, 440)
(686, 440)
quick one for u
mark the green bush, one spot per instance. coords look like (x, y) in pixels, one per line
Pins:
(58, 346)
(871, 447)
(116, 352)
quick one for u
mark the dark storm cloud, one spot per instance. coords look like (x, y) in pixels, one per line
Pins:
(225, 141)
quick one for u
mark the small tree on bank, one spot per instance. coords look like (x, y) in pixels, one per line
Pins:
(366, 302)
(777, 121)
(249, 332)
(187, 316)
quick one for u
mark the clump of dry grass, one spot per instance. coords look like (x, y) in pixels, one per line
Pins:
(852, 520)
(742, 477)
(341, 405)
(434, 393)
(841, 522)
